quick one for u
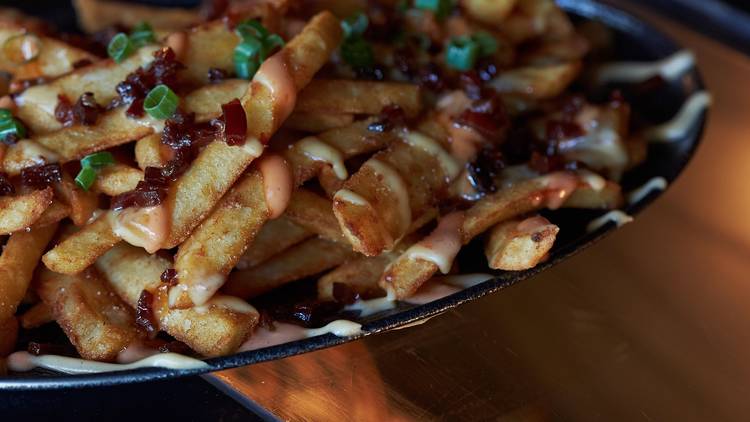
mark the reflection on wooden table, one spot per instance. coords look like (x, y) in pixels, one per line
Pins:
(651, 324)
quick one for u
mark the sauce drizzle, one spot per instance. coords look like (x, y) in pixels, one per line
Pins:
(679, 126)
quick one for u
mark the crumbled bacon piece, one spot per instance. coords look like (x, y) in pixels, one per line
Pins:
(85, 111)
(485, 168)
(234, 122)
(391, 116)
(487, 116)
(144, 313)
(6, 188)
(169, 277)
(162, 70)
(149, 192)
(41, 176)
(560, 130)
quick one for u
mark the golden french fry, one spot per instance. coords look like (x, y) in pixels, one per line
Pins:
(275, 237)
(219, 165)
(36, 105)
(17, 263)
(95, 320)
(308, 258)
(21, 211)
(538, 82)
(213, 249)
(206, 102)
(53, 214)
(95, 15)
(358, 97)
(148, 152)
(8, 336)
(51, 57)
(317, 122)
(217, 328)
(516, 245)
(491, 12)
(25, 153)
(82, 248)
(313, 212)
(116, 179)
(585, 196)
(36, 316)
(82, 204)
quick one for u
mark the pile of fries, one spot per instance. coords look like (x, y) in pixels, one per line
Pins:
(358, 145)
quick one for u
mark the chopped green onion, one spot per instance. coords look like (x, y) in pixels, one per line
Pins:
(355, 26)
(357, 52)
(246, 69)
(161, 102)
(120, 47)
(487, 43)
(441, 8)
(98, 160)
(251, 29)
(462, 53)
(86, 178)
(5, 115)
(142, 34)
(12, 127)
(271, 43)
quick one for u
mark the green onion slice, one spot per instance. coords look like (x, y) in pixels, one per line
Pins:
(487, 43)
(142, 34)
(248, 49)
(357, 53)
(86, 178)
(246, 69)
(22, 48)
(120, 47)
(5, 115)
(251, 29)
(271, 43)
(12, 127)
(462, 53)
(355, 26)
(98, 160)
(161, 102)
(441, 8)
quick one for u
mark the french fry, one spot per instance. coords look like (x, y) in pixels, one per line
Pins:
(212, 330)
(95, 15)
(21, 211)
(491, 12)
(209, 45)
(97, 322)
(53, 57)
(275, 237)
(206, 102)
(53, 214)
(517, 245)
(148, 152)
(317, 122)
(17, 263)
(308, 258)
(36, 105)
(538, 82)
(36, 316)
(213, 249)
(82, 248)
(607, 197)
(219, 165)
(25, 153)
(8, 336)
(116, 179)
(358, 97)
(378, 204)
(313, 212)
(82, 204)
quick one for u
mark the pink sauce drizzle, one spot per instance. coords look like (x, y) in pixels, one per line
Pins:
(277, 183)
(532, 224)
(274, 74)
(560, 186)
(443, 244)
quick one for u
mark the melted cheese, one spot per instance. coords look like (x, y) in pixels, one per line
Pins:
(678, 128)
(450, 166)
(203, 289)
(339, 328)
(351, 197)
(442, 245)
(656, 183)
(230, 303)
(317, 150)
(395, 183)
(278, 183)
(616, 216)
(670, 69)
(592, 179)
(24, 361)
(285, 333)
(274, 74)
(143, 227)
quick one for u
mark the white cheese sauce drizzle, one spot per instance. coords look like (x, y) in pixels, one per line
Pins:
(670, 68)
(616, 216)
(284, 333)
(25, 361)
(656, 183)
(679, 126)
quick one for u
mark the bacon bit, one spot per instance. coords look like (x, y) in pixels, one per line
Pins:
(216, 75)
(149, 192)
(41, 176)
(85, 111)
(169, 277)
(560, 130)
(487, 116)
(483, 171)
(309, 313)
(144, 313)
(391, 116)
(162, 70)
(234, 123)
(6, 188)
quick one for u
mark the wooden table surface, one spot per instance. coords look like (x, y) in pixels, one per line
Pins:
(652, 323)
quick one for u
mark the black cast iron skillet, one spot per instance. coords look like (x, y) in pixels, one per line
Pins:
(635, 40)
